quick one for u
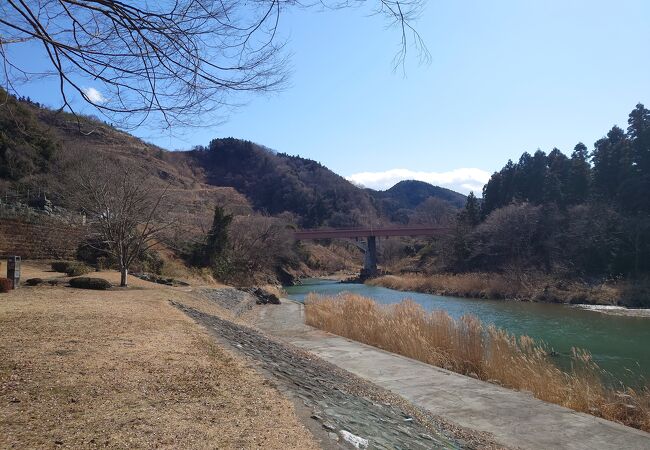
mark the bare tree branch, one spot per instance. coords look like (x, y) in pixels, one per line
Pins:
(123, 209)
(170, 60)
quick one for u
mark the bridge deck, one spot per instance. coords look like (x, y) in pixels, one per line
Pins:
(330, 233)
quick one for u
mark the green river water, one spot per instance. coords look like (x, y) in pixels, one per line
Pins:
(619, 344)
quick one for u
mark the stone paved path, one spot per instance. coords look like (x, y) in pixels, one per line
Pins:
(514, 418)
(336, 400)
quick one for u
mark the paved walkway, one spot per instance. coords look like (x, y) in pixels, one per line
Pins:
(515, 419)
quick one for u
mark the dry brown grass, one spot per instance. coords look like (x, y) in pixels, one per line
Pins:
(480, 285)
(499, 286)
(467, 346)
(125, 369)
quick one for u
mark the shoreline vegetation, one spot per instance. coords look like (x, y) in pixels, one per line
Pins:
(468, 347)
(536, 288)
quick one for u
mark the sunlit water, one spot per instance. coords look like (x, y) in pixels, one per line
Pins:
(619, 344)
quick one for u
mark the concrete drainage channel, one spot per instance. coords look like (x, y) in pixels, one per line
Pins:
(353, 414)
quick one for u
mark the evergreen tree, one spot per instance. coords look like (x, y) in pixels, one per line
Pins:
(507, 191)
(211, 252)
(492, 195)
(612, 164)
(638, 122)
(217, 238)
(637, 187)
(471, 215)
(579, 180)
(530, 176)
(557, 178)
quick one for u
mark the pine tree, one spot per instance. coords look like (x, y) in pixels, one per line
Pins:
(218, 235)
(557, 178)
(471, 215)
(211, 252)
(492, 195)
(638, 185)
(579, 181)
(612, 163)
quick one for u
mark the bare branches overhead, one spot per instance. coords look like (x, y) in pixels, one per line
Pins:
(166, 60)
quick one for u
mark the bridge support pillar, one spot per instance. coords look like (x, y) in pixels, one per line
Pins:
(370, 259)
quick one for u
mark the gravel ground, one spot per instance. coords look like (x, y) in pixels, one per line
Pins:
(338, 401)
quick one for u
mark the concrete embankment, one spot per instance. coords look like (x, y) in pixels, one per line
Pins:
(515, 419)
(339, 403)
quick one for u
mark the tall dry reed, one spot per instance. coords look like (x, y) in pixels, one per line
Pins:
(498, 286)
(479, 285)
(467, 346)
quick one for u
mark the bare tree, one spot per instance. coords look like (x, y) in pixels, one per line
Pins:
(435, 211)
(257, 245)
(123, 208)
(173, 59)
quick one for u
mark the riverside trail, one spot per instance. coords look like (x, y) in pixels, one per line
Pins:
(338, 401)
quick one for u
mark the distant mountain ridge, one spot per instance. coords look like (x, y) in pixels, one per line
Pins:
(412, 193)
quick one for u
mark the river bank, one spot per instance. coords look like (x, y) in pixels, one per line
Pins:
(333, 400)
(617, 342)
(526, 287)
(515, 419)
(469, 347)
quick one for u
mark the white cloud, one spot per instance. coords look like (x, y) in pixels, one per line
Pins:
(461, 180)
(93, 95)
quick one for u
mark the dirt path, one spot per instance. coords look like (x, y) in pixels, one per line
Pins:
(339, 402)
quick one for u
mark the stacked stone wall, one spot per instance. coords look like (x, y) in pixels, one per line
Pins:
(44, 238)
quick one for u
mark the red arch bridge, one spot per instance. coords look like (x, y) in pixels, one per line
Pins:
(370, 234)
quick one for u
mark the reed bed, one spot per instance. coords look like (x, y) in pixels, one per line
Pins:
(468, 347)
(500, 286)
(480, 285)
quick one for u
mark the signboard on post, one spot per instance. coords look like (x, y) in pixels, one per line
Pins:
(13, 270)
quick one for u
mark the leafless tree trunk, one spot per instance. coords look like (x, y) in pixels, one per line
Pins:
(123, 209)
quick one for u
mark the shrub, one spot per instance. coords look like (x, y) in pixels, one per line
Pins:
(91, 250)
(5, 285)
(90, 283)
(60, 266)
(71, 268)
(76, 270)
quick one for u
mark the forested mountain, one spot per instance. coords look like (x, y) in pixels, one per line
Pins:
(583, 214)
(401, 201)
(38, 149)
(277, 182)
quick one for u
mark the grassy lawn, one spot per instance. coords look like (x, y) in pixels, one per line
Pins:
(123, 368)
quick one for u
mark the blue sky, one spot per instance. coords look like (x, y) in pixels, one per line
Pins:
(505, 77)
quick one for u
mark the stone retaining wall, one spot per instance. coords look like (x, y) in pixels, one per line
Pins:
(42, 238)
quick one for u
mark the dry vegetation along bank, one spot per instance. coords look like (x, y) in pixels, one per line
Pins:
(522, 287)
(468, 347)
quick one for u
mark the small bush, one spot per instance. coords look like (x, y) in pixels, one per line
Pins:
(90, 283)
(60, 266)
(5, 285)
(91, 251)
(71, 268)
(76, 270)
(34, 282)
